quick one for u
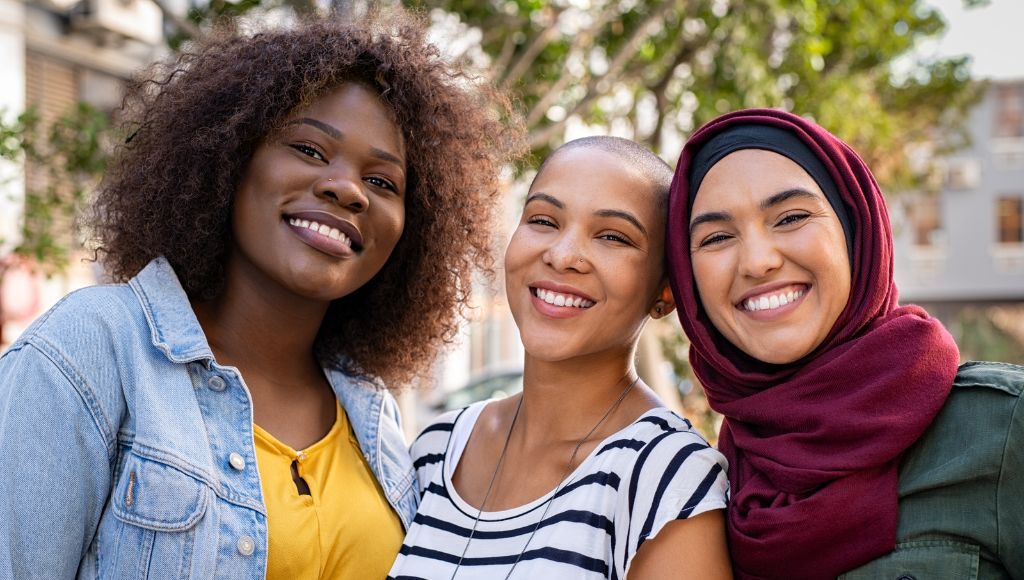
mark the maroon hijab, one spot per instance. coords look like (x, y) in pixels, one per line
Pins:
(814, 446)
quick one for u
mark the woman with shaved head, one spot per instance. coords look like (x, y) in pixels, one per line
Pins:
(585, 475)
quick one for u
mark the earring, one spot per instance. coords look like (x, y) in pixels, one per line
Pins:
(658, 310)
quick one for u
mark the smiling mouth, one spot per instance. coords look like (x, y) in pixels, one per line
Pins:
(324, 230)
(560, 299)
(772, 300)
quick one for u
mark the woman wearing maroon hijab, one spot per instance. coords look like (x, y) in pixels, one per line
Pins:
(858, 447)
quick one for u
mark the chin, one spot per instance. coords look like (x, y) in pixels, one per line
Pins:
(775, 356)
(547, 350)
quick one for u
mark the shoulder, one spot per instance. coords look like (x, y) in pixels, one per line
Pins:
(1005, 377)
(983, 389)
(662, 431)
(430, 446)
(674, 475)
(86, 327)
(110, 302)
(671, 458)
(74, 353)
(981, 419)
(435, 436)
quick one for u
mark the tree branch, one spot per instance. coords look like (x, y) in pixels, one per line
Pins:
(181, 23)
(582, 43)
(533, 50)
(685, 53)
(508, 49)
(622, 58)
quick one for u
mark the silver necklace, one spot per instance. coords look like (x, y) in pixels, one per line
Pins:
(561, 480)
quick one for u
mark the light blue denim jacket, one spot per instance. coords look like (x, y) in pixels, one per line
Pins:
(118, 435)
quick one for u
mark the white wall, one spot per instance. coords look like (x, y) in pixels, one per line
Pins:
(12, 102)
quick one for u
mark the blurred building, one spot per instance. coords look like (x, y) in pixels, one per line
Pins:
(54, 53)
(960, 248)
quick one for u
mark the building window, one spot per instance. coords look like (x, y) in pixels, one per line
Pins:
(963, 174)
(1009, 111)
(926, 220)
(1010, 219)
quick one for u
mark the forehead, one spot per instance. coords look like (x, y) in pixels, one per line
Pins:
(359, 108)
(590, 176)
(749, 175)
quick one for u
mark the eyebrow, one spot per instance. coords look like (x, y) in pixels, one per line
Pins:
(618, 213)
(767, 203)
(786, 196)
(607, 213)
(539, 196)
(333, 132)
(330, 130)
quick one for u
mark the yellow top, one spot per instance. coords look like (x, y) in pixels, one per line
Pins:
(343, 528)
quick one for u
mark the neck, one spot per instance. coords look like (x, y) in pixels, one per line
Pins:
(564, 399)
(251, 325)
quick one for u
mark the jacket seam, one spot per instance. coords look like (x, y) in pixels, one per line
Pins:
(1002, 470)
(80, 386)
(191, 470)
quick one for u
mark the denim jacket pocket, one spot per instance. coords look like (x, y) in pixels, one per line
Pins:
(922, 560)
(157, 509)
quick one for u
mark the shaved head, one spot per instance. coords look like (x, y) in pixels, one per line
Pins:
(653, 168)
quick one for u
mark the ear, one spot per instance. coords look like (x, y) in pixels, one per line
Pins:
(665, 303)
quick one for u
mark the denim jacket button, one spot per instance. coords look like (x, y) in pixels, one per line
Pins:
(246, 546)
(216, 383)
(236, 461)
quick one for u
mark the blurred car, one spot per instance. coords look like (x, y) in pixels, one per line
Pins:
(495, 385)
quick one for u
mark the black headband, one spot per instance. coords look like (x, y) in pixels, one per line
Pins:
(776, 140)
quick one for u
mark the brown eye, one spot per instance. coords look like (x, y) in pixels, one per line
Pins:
(793, 218)
(381, 183)
(308, 151)
(713, 239)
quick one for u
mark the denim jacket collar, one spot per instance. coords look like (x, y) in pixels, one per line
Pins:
(173, 325)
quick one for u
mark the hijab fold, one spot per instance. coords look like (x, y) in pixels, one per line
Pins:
(814, 446)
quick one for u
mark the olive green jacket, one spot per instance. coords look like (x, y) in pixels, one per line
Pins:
(961, 486)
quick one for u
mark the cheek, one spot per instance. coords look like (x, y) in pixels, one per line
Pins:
(841, 286)
(517, 252)
(710, 275)
(243, 214)
(391, 225)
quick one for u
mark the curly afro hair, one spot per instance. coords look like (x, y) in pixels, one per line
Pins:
(196, 122)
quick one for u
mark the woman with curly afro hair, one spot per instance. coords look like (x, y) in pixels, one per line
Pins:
(293, 225)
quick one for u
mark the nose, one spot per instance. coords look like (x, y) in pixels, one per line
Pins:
(566, 253)
(759, 256)
(344, 188)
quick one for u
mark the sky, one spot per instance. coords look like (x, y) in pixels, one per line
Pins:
(992, 35)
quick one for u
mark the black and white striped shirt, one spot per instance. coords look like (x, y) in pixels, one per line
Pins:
(654, 471)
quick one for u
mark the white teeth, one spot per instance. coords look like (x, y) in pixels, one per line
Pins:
(322, 229)
(566, 300)
(771, 302)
